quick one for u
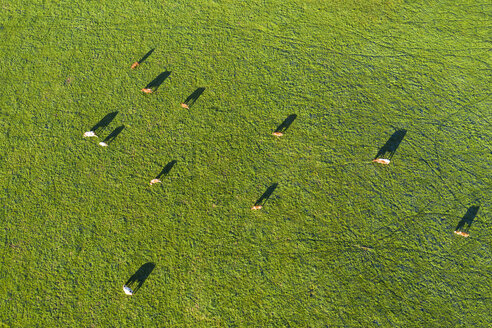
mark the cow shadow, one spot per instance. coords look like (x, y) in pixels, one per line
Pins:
(110, 138)
(266, 195)
(146, 56)
(136, 281)
(156, 83)
(285, 124)
(166, 169)
(390, 147)
(103, 123)
(193, 97)
(467, 219)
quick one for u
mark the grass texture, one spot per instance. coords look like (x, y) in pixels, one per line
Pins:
(341, 242)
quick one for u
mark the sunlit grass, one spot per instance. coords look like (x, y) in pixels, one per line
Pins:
(340, 242)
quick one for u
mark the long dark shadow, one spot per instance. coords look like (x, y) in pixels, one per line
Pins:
(136, 281)
(193, 97)
(468, 218)
(110, 138)
(104, 122)
(156, 83)
(266, 195)
(286, 124)
(146, 56)
(390, 147)
(166, 169)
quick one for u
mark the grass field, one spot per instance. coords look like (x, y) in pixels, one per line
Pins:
(341, 242)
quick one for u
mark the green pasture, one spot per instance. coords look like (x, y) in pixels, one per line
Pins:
(341, 242)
